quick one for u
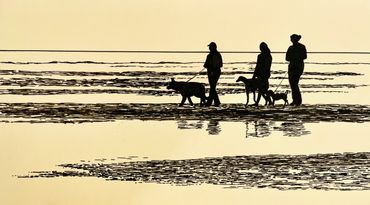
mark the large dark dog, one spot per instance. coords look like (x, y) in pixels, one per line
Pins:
(251, 86)
(188, 89)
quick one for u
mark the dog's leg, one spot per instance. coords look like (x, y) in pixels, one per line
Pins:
(191, 102)
(203, 100)
(254, 96)
(267, 98)
(247, 99)
(182, 101)
(286, 102)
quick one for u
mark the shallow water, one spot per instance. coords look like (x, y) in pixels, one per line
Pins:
(36, 136)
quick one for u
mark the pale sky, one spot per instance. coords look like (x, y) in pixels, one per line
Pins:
(325, 25)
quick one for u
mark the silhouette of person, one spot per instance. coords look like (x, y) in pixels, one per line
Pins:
(262, 71)
(295, 55)
(213, 64)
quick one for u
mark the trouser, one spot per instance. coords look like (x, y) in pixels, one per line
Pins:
(264, 86)
(213, 77)
(295, 73)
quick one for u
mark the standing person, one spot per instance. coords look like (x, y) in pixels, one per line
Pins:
(213, 64)
(262, 71)
(295, 55)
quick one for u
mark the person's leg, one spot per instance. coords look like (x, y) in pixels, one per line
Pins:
(264, 93)
(296, 95)
(299, 96)
(216, 99)
(258, 98)
(211, 93)
(267, 99)
(264, 85)
(293, 88)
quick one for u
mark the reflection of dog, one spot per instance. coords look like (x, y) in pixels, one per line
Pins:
(277, 96)
(251, 85)
(188, 89)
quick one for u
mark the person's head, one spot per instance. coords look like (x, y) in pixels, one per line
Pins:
(295, 38)
(212, 46)
(264, 48)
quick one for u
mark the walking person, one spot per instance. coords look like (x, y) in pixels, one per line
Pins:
(296, 55)
(213, 64)
(262, 72)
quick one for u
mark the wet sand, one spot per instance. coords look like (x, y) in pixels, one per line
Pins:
(117, 124)
(343, 172)
(77, 113)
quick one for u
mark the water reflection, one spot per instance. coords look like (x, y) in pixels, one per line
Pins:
(258, 128)
(185, 124)
(264, 128)
(254, 128)
(293, 129)
(213, 126)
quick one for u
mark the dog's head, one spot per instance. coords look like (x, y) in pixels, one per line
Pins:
(172, 84)
(270, 93)
(241, 79)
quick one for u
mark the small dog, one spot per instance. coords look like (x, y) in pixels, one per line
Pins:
(277, 96)
(188, 89)
(251, 85)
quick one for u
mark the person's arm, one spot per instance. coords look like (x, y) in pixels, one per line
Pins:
(268, 67)
(258, 65)
(304, 52)
(221, 63)
(206, 64)
(288, 54)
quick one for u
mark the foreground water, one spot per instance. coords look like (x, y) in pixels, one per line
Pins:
(33, 138)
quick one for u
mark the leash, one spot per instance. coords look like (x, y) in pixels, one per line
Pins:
(281, 81)
(195, 75)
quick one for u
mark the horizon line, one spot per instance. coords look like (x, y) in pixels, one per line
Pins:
(165, 51)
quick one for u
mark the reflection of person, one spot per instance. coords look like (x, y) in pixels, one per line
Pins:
(214, 127)
(295, 55)
(213, 64)
(262, 128)
(262, 71)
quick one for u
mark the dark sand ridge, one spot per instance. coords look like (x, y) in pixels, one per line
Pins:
(75, 112)
(339, 171)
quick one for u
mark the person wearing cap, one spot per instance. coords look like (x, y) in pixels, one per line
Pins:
(213, 64)
(296, 55)
(262, 72)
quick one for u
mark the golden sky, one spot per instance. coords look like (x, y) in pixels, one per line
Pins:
(326, 25)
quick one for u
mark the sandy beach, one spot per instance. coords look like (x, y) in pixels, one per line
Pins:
(87, 132)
